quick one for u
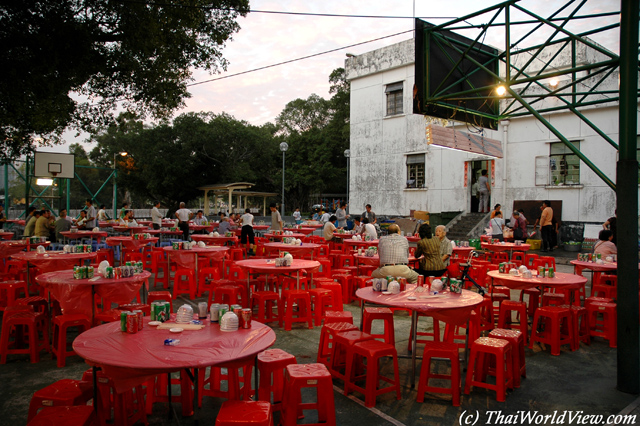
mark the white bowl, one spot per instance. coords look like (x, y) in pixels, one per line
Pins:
(176, 330)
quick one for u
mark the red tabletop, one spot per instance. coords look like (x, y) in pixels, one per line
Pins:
(258, 228)
(375, 260)
(463, 251)
(208, 239)
(448, 307)
(313, 225)
(517, 282)
(107, 224)
(130, 359)
(84, 234)
(579, 265)
(293, 249)
(304, 230)
(505, 247)
(343, 235)
(413, 238)
(6, 235)
(162, 232)
(20, 222)
(361, 243)
(9, 248)
(207, 228)
(75, 295)
(187, 258)
(53, 260)
(130, 243)
(268, 266)
(131, 229)
(281, 236)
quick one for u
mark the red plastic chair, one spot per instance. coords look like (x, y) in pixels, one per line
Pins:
(184, 281)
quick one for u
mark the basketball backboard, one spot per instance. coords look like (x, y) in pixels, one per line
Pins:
(54, 165)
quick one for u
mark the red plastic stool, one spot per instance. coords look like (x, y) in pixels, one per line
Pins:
(517, 341)
(318, 301)
(341, 343)
(337, 316)
(79, 415)
(496, 298)
(552, 299)
(435, 334)
(336, 295)
(581, 329)
(372, 351)
(154, 296)
(229, 294)
(477, 372)
(271, 365)
(287, 301)
(159, 262)
(347, 285)
(181, 286)
(457, 334)
(607, 287)
(504, 320)
(384, 314)
(61, 324)
(367, 270)
(361, 281)
(157, 392)
(19, 318)
(534, 300)
(65, 392)
(266, 301)
(603, 322)
(128, 406)
(552, 334)
(327, 335)
(245, 413)
(299, 376)
(10, 291)
(590, 300)
(440, 350)
(238, 387)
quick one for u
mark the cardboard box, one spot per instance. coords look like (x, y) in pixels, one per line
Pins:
(535, 244)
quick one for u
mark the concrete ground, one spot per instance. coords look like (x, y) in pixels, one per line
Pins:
(581, 383)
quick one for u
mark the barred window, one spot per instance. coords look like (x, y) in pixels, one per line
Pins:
(415, 171)
(394, 98)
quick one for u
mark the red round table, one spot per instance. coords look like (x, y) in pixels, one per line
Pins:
(53, 260)
(76, 296)
(208, 228)
(6, 235)
(8, 248)
(216, 241)
(131, 229)
(510, 247)
(517, 282)
(256, 228)
(312, 225)
(413, 238)
(84, 234)
(463, 251)
(297, 235)
(360, 243)
(268, 267)
(449, 307)
(107, 224)
(303, 230)
(20, 222)
(374, 260)
(295, 250)
(596, 268)
(130, 243)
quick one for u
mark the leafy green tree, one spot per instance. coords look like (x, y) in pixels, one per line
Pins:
(111, 54)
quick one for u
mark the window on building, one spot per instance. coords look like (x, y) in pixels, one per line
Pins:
(415, 171)
(564, 165)
(394, 98)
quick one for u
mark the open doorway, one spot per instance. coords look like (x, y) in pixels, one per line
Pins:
(475, 172)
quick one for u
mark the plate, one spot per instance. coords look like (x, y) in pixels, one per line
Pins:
(154, 323)
(386, 292)
(175, 330)
(411, 298)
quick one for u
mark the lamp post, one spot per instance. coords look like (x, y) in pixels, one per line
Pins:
(283, 147)
(115, 186)
(347, 153)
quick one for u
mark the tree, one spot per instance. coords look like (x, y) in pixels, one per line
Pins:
(130, 55)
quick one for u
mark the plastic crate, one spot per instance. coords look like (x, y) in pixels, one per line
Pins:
(535, 244)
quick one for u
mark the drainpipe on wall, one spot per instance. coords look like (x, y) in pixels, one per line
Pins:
(505, 142)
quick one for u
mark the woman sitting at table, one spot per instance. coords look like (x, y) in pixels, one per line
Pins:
(605, 246)
(431, 264)
(128, 219)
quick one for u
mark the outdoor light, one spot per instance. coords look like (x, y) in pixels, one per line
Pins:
(283, 147)
(115, 175)
(44, 181)
(501, 90)
(553, 82)
(347, 153)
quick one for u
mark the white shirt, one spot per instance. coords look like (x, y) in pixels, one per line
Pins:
(370, 230)
(247, 219)
(183, 214)
(156, 216)
(297, 215)
(496, 225)
(102, 215)
(325, 218)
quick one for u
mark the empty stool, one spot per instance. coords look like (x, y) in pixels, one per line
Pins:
(337, 316)
(590, 300)
(154, 296)
(22, 319)
(65, 392)
(341, 343)
(517, 341)
(606, 287)
(504, 320)
(327, 335)
(440, 350)
(552, 299)
(303, 300)
(157, 391)
(238, 387)
(372, 351)
(318, 301)
(477, 372)
(603, 322)
(457, 334)
(581, 329)
(347, 285)
(229, 294)
(244, 413)
(79, 415)
(266, 301)
(300, 376)
(553, 333)
(10, 291)
(534, 300)
(435, 334)
(384, 314)
(184, 281)
(271, 365)
(61, 324)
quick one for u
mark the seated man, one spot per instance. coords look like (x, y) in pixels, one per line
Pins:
(358, 226)
(224, 226)
(62, 225)
(369, 229)
(329, 228)
(394, 256)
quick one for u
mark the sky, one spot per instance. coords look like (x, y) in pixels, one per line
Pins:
(266, 39)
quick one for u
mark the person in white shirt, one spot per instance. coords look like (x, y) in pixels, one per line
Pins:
(497, 226)
(184, 215)
(128, 219)
(369, 229)
(246, 231)
(297, 216)
(156, 216)
(329, 228)
(102, 214)
(91, 214)
(326, 217)
(358, 226)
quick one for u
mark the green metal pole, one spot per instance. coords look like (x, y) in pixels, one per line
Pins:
(68, 195)
(26, 186)
(115, 191)
(627, 203)
(6, 190)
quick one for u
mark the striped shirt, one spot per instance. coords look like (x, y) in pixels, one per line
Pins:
(393, 249)
(430, 248)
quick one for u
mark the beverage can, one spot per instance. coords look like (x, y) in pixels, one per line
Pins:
(139, 315)
(166, 311)
(109, 272)
(202, 310)
(224, 308)
(541, 271)
(128, 263)
(123, 320)
(245, 318)
(77, 273)
(420, 280)
(599, 256)
(132, 323)
(214, 310)
(501, 267)
(551, 273)
(85, 272)
(174, 245)
(152, 311)
(237, 310)
(90, 272)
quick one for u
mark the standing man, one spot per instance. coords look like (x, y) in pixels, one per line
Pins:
(484, 191)
(297, 216)
(246, 232)
(394, 256)
(184, 215)
(546, 226)
(276, 219)
(445, 244)
(369, 214)
(91, 214)
(342, 215)
(156, 216)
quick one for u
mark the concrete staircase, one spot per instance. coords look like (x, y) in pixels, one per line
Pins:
(467, 225)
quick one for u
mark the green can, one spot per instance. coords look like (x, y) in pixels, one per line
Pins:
(166, 311)
(551, 273)
(123, 320)
(77, 273)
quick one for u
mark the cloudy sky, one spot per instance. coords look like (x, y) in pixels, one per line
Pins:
(266, 39)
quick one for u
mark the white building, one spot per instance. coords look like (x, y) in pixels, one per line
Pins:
(394, 170)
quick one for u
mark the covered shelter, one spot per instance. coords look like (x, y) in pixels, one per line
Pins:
(235, 188)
